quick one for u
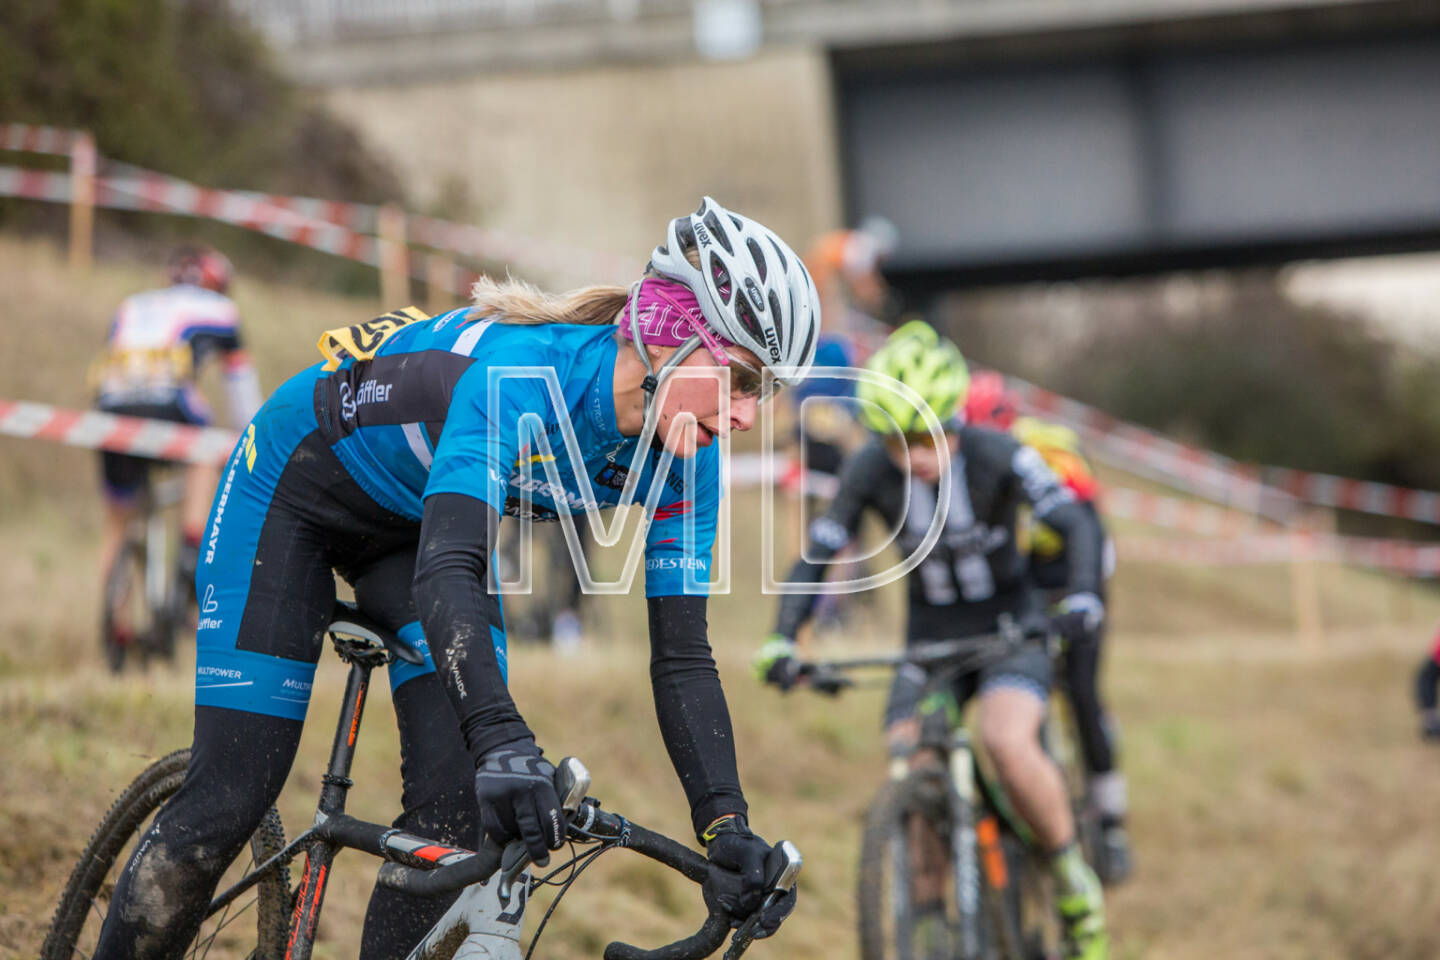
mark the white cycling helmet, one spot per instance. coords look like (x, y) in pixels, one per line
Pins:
(777, 317)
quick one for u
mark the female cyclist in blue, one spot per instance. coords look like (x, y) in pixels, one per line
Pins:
(391, 463)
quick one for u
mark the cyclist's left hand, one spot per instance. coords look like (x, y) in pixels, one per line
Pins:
(515, 790)
(775, 662)
(1082, 611)
(739, 887)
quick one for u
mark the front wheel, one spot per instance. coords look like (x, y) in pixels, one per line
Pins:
(75, 928)
(920, 894)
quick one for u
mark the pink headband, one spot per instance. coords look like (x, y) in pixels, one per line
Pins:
(669, 314)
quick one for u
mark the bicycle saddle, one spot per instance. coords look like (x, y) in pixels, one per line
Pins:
(349, 620)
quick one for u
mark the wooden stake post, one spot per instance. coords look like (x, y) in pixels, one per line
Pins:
(440, 277)
(394, 258)
(82, 202)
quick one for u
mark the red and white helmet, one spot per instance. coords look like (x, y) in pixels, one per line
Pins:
(200, 266)
(753, 289)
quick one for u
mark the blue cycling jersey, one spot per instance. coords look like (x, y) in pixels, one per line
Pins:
(452, 404)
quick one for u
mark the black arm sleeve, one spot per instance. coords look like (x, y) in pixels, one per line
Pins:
(460, 617)
(1057, 508)
(1084, 544)
(828, 535)
(694, 720)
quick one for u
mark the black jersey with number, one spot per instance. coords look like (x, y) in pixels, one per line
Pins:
(975, 570)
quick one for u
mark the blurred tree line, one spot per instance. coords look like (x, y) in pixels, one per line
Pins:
(185, 88)
(1227, 361)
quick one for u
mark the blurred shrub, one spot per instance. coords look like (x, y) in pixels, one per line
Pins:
(1227, 361)
(183, 87)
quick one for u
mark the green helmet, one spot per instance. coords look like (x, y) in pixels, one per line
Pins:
(925, 362)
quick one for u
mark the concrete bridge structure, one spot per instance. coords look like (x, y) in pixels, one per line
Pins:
(1005, 138)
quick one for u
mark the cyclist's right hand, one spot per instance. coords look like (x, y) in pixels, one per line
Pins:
(776, 663)
(515, 788)
(740, 886)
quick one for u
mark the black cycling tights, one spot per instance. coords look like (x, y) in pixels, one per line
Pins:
(1082, 669)
(239, 763)
(1426, 679)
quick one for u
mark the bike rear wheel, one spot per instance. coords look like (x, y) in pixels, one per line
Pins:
(75, 928)
(125, 620)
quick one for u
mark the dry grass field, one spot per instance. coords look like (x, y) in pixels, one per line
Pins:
(1283, 805)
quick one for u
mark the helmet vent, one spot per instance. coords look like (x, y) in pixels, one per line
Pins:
(810, 331)
(685, 233)
(758, 255)
(784, 264)
(721, 237)
(721, 279)
(748, 319)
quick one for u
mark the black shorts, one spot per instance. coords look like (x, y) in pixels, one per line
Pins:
(1027, 669)
(124, 475)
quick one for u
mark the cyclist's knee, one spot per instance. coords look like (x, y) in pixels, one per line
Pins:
(1010, 725)
(1009, 745)
(903, 735)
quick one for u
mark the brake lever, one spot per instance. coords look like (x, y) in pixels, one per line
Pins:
(572, 782)
(789, 869)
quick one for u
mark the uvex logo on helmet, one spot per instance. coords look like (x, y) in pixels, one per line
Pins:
(773, 342)
(702, 235)
(753, 289)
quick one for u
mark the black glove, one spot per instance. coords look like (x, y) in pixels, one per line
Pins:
(738, 888)
(1079, 615)
(828, 682)
(515, 787)
(775, 663)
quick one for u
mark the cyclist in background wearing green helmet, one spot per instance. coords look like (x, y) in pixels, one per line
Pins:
(971, 577)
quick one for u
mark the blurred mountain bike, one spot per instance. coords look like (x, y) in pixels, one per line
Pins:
(999, 902)
(258, 915)
(145, 604)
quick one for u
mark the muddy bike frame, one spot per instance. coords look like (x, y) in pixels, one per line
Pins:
(978, 808)
(486, 918)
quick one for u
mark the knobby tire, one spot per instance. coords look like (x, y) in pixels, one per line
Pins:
(127, 817)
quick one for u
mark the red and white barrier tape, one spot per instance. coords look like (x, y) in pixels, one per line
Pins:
(106, 431)
(328, 225)
(34, 139)
(1271, 492)
(1398, 556)
(1187, 516)
(1364, 496)
(131, 194)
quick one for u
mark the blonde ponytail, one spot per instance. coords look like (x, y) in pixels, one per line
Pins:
(515, 301)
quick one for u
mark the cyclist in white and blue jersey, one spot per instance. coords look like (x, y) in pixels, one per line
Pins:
(392, 463)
